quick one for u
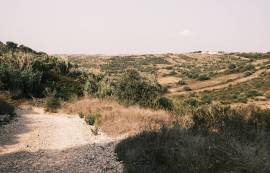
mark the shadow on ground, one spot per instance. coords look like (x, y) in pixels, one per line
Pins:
(9, 133)
(178, 150)
(87, 158)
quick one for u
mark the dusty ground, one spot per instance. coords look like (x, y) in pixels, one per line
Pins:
(40, 142)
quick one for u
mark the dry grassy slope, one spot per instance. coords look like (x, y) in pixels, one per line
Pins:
(188, 62)
(218, 83)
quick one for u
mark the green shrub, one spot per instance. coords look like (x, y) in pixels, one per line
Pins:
(202, 77)
(132, 88)
(90, 119)
(193, 74)
(206, 99)
(232, 66)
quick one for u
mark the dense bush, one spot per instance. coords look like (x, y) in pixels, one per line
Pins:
(27, 73)
(132, 88)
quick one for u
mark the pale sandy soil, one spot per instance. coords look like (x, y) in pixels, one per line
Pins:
(41, 142)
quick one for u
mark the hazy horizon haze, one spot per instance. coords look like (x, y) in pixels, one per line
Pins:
(136, 26)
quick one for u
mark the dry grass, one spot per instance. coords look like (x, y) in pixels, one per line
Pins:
(117, 120)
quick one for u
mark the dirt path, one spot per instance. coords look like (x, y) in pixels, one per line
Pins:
(42, 142)
(215, 84)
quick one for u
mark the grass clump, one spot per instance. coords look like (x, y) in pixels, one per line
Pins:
(92, 118)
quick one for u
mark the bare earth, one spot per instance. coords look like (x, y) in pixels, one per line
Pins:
(41, 142)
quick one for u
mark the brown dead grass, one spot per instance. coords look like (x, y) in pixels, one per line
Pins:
(117, 120)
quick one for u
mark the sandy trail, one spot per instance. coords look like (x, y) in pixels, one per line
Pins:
(42, 142)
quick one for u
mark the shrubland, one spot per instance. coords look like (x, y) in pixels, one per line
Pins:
(189, 133)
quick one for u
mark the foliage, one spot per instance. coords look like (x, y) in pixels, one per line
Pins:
(206, 99)
(27, 73)
(232, 66)
(132, 88)
(90, 119)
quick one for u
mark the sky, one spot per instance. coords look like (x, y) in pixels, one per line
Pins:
(136, 26)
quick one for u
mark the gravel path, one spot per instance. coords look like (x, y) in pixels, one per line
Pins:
(40, 142)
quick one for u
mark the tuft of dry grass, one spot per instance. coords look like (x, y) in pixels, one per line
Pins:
(116, 119)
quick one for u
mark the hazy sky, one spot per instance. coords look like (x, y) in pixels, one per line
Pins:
(136, 26)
